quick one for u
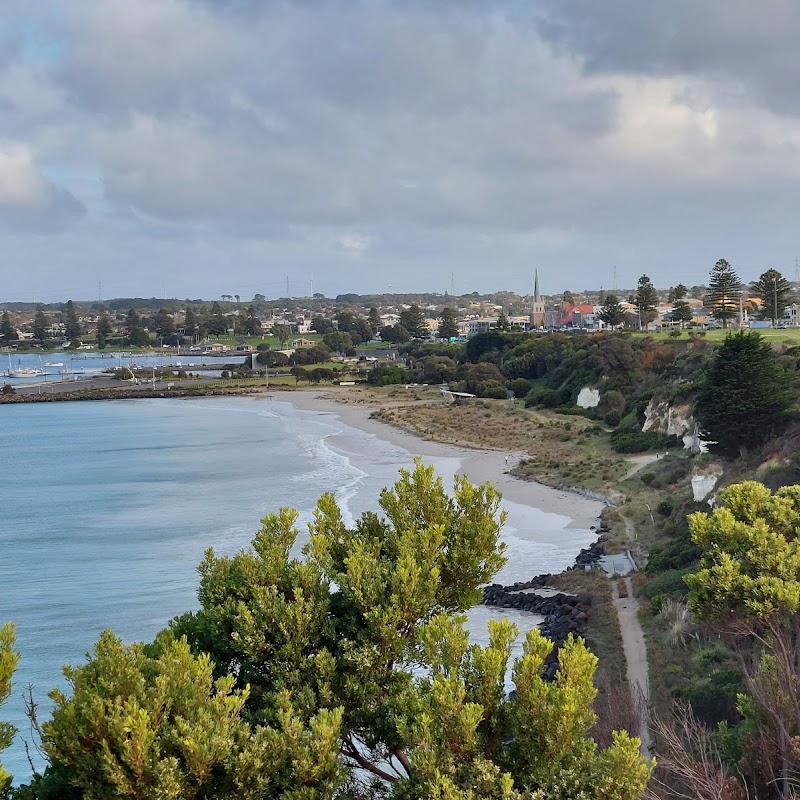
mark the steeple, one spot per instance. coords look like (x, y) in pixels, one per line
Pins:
(537, 304)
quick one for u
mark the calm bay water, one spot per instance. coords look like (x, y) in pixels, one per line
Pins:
(107, 507)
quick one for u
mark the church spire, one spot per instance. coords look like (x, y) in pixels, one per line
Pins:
(537, 304)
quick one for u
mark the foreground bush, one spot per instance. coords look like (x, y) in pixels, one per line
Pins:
(347, 673)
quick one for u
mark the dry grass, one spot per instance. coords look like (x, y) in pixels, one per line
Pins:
(604, 637)
(562, 450)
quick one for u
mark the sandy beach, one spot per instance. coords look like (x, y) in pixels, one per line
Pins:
(479, 465)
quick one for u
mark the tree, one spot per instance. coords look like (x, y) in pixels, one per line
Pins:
(774, 292)
(8, 332)
(345, 320)
(164, 324)
(132, 321)
(144, 722)
(190, 322)
(567, 298)
(41, 327)
(745, 398)
(502, 322)
(362, 330)
(748, 587)
(252, 324)
(395, 334)
(282, 332)
(612, 312)
(724, 292)
(374, 320)
(681, 310)
(338, 341)
(448, 324)
(370, 623)
(646, 300)
(413, 320)
(104, 330)
(139, 338)
(217, 322)
(72, 329)
(322, 325)
(8, 663)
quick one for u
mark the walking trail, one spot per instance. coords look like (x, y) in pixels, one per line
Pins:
(635, 653)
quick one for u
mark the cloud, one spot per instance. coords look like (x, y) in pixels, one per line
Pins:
(407, 134)
(27, 199)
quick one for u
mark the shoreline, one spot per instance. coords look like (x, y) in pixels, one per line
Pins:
(480, 465)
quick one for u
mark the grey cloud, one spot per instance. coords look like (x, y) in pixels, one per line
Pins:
(360, 139)
(752, 45)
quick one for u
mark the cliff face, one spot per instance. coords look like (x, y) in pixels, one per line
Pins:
(672, 420)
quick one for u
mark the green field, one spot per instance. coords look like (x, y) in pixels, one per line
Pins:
(789, 336)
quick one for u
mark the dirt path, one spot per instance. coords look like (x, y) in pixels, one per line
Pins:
(635, 649)
(639, 462)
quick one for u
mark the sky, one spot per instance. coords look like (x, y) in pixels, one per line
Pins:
(194, 148)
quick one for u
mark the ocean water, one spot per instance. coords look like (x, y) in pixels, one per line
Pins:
(106, 508)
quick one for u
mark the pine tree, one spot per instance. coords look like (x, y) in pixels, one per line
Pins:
(724, 292)
(774, 292)
(72, 325)
(41, 327)
(646, 300)
(681, 310)
(374, 320)
(612, 312)
(745, 398)
(8, 333)
(413, 320)
(502, 322)
(448, 324)
(104, 330)
(190, 322)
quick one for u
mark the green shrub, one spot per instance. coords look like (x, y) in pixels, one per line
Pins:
(647, 478)
(640, 442)
(491, 389)
(675, 334)
(665, 508)
(670, 583)
(520, 386)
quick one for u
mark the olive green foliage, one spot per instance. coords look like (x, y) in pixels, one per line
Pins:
(372, 603)
(641, 442)
(748, 585)
(745, 398)
(8, 663)
(352, 659)
(145, 722)
(387, 375)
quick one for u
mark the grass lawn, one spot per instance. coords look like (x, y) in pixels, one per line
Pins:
(788, 336)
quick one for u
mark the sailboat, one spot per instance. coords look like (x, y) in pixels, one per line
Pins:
(22, 372)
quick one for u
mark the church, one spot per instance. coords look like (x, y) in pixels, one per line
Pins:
(537, 305)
